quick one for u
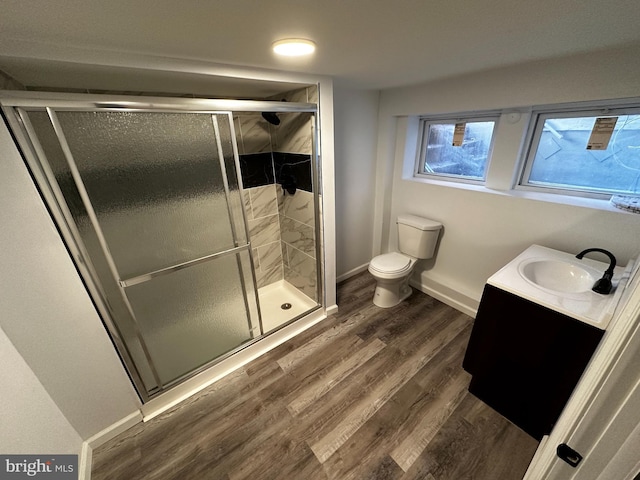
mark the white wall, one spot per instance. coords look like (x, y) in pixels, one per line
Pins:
(47, 314)
(484, 229)
(31, 422)
(355, 118)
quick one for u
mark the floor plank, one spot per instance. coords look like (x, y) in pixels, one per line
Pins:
(321, 385)
(368, 393)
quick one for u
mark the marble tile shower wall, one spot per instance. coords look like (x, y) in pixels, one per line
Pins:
(281, 225)
(261, 205)
(297, 230)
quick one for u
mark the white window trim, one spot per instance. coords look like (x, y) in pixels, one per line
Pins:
(425, 121)
(547, 197)
(534, 132)
(510, 144)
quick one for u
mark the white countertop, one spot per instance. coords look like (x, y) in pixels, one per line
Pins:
(589, 307)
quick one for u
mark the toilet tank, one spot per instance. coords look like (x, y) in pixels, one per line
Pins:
(417, 236)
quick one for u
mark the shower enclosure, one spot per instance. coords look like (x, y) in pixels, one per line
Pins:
(148, 196)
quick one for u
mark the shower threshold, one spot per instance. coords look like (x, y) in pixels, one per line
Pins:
(280, 302)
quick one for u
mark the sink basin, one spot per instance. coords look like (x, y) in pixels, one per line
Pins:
(561, 282)
(558, 275)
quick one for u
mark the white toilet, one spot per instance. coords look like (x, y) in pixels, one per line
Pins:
(417, 238)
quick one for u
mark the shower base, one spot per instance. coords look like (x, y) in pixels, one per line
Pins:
(273, 296)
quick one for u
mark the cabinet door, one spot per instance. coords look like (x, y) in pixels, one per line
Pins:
(526, 359)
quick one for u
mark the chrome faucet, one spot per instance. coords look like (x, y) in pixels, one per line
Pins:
(602, 285)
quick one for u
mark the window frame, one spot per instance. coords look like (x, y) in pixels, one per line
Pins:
(534, 132)
(423, 140)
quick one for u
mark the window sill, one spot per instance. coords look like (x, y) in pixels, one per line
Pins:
(449, 183)
(575, 201)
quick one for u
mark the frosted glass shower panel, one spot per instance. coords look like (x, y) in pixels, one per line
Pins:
(224, 124)
(59, 167)
(209, 319)
(156, 185)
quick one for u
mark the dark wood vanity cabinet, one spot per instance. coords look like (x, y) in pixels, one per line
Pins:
(526, 359)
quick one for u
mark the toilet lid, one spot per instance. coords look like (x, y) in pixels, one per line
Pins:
(391, 262)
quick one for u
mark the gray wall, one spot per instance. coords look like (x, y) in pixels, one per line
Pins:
(31, 422)
(48, 316)
(355, 117)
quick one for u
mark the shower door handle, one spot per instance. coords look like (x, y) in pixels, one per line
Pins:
(174, 268)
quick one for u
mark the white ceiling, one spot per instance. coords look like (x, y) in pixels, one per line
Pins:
(361, 43)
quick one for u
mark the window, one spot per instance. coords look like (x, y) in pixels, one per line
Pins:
(595, 153)
(457, 149)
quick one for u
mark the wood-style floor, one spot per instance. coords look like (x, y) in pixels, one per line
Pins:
(368, 393)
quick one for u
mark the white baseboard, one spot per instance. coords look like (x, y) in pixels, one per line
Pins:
(202, 380)
(194, 385)
(352, 272)
(459, 301)
(159, 405)
(112, 431)
(115, 429)
(84, 464)
(451, 297)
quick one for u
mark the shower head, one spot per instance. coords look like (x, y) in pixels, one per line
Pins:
(271, 117)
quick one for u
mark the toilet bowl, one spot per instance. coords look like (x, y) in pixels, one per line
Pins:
(392, 272)
(417, 238)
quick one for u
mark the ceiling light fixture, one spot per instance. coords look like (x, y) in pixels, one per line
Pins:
(294, 47)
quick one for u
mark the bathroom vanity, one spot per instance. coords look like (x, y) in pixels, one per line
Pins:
(537, 327)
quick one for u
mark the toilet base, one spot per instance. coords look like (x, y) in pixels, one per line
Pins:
(390, 294)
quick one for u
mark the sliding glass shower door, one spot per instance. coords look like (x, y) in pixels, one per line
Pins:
(153, 199)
